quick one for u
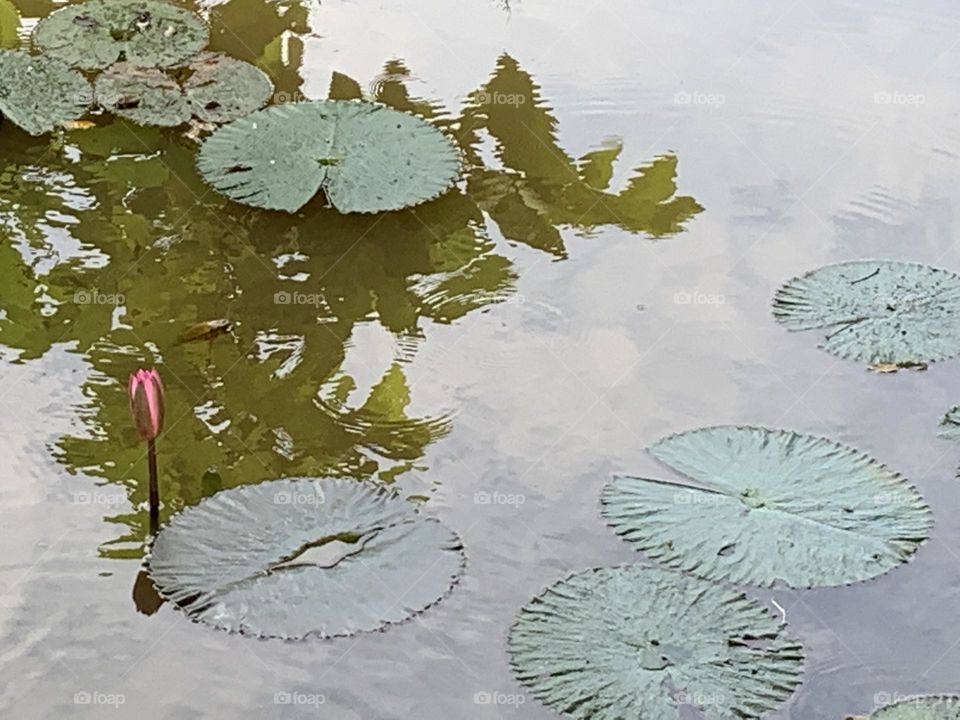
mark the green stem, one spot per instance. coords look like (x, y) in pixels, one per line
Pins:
(154, 487)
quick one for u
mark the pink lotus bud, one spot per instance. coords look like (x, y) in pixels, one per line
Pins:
(146, 403)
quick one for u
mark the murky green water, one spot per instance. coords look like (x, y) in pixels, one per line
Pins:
(640, 179)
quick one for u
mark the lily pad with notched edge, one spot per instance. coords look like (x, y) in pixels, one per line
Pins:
(221, 88)
(928, 707)
(878, 311)
(147, 96)
(767, 506)
(98, 33)
(365, 157)
(635, 643)
(40, 93)
(298, 557)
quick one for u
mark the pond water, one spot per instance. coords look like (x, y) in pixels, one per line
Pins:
(640, 181)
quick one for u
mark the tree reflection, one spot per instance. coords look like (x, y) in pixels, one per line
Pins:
(326, 309)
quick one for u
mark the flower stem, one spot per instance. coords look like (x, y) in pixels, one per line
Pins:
(154, 487)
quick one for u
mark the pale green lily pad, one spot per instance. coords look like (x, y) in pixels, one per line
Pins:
(221, 88)
(304, 556)
(877, 311)
(635, 643)
(769, 506)
(950, 424)
(99, 33)
(147, 96)
(40, 93)
(928, 707)
(365, 157)
(9, 25)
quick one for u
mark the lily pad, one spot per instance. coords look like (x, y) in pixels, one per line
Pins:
(147, 96)
(950, 424)
(98, 33)
(365, 157)
(221, 88)
(9, 25)
(635, 643)
(878, 311)
(768, 506)
(40, 93)
(927, 707)
(304, 556)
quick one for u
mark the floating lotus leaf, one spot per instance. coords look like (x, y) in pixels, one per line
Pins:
(144, 95)
(256, 559)
(768, 506)
(40, 93)
(635, 643)
(365, 157)
(929, 707)
(882, 312)
(9, 25)
(98, 33)
(222, 89)
(950, 424)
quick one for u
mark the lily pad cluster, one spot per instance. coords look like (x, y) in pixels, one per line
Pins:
(304, 556)
(760, 507)
(153, 70)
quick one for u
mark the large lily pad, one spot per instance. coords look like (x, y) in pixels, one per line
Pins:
(769, 506)
(40, 93)
(257, 559)
(218, 89)
(365, 157)
(9, 25)
(881, 312)
(635, 643)
(929, 707)
(98, 33)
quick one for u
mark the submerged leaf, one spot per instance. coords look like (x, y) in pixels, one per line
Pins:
(634, 643)
(144, 95)
(928, 707)
(221, 88)
(880, 312)
(299, 557)
(366, 157)
(40, 93)
(98, 33)
(769, 505)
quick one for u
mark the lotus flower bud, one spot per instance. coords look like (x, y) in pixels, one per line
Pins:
(146, 403)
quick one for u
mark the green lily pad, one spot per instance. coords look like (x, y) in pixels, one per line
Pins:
(147, 96)
(769, 506)
(365, 157)
(928, 707)
(221, 88)
(98, 33)
(881, 312)
(40, 93)
(635, 643)
(299, 557)
(218, 89)
(950, 424)
(9, 25)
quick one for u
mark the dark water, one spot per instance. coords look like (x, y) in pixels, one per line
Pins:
(641, 178)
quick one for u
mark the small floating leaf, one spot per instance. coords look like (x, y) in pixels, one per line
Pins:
(880, 312)
(40, 93)
(144, 95)
(950, 424)
(927, 707)
(634, 643)
(9, 24)
(768, 506)
(304, 556)
(98, 33)
(222, 88)
(366, 157)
